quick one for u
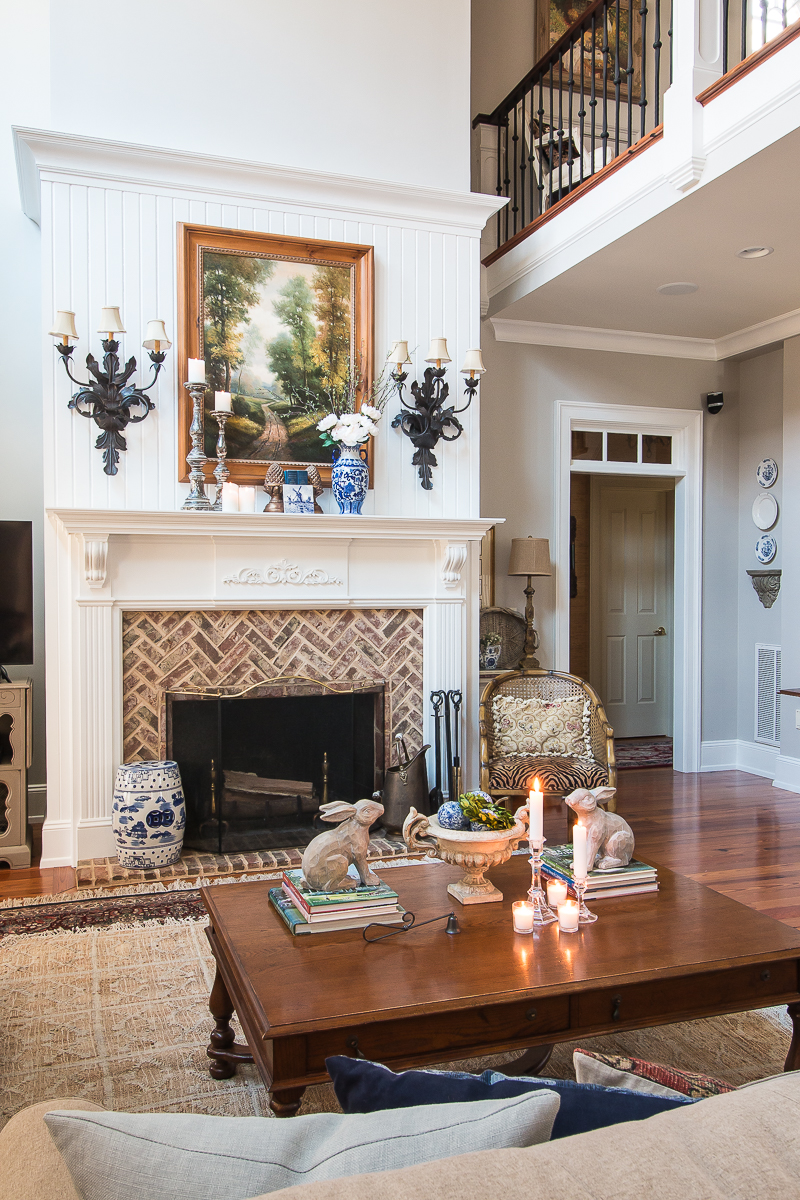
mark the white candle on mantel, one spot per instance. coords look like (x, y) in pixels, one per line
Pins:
(556, 892)
(222, 401)
(536, 813)
(230, 497)
(197, 370)
(579, 851)
(247, 499)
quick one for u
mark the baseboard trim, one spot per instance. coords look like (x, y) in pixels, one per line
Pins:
(738, 755)
(787, 773)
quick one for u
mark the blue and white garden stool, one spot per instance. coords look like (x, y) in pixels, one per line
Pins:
(148, 815)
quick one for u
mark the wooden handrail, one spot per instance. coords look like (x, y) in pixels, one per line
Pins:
(750, 63)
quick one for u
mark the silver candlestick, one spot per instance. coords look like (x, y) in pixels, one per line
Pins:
(221, 472)
(197, 498)
(542, 913)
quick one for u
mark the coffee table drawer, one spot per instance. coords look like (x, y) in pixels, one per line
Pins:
(721, 990)
(465, 1030)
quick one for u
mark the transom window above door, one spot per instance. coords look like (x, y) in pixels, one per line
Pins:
(596, 445)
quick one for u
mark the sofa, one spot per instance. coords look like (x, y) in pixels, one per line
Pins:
(744, 1144)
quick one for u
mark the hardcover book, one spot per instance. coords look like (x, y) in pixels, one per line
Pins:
(297, 924)
(379, 894)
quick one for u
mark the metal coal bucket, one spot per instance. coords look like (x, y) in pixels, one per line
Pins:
(405, 786)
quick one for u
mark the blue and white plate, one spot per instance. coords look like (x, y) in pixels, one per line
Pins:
(767, 472)
(766, 548)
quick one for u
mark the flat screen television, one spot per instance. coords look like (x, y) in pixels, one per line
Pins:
(16, 592)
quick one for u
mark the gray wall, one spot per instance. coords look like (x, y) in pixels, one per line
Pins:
(790, 539)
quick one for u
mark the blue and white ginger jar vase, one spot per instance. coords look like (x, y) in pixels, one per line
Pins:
(350, 479)
(148, 815)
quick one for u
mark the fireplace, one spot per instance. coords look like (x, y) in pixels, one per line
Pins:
(256, 767)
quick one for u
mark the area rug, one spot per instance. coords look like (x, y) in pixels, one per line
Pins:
(640, 754)
(119, 1015)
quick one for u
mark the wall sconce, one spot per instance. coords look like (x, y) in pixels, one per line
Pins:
(109, 398)
(427, 420)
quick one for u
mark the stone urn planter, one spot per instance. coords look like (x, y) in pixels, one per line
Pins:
(148, 815)
(474, 853)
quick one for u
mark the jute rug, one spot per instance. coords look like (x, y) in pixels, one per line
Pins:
(118, 1013)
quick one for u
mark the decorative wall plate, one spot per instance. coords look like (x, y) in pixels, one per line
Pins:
(765, 510)
(767, 472)
(766, 548)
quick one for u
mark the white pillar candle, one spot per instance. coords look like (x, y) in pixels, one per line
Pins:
(536, 813)
(579, 852)
(568, 916)
(197, 370)
(247, 499)
(556, 892)
(522, 916)
(222, 401)
(230, 497)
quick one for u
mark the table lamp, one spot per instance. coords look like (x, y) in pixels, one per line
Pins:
(529, 556)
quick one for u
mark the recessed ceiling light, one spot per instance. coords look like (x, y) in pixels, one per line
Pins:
(677, 289)
(754, 252)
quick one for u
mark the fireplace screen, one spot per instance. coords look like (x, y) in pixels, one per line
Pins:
(256, 769)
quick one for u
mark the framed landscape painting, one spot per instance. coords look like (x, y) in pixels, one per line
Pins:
(280, 322)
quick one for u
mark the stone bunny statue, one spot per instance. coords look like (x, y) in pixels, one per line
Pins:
(328, 855)
(609, 835)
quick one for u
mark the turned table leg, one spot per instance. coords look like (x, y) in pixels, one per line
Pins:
(223, 1049)
(793, 1057)
(530, 1063)
(286, 1102)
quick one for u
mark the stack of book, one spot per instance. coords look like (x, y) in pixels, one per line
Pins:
(633, 880)
(306, 911)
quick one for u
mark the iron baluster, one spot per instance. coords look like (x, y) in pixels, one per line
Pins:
(531, 152)
(582, 109)
(499, 190)
(540, 114)
(506, 179)
(558, 154)
(725, 18)
(522, 165)
(606, 54)
(570, 88)
(514, 197)
(657, 64)
(617, 77)
(629, 72)
(643, 81)
(593, 88)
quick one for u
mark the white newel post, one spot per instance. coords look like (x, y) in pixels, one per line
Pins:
(697, 33)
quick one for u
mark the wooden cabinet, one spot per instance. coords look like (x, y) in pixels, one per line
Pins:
(15, 759)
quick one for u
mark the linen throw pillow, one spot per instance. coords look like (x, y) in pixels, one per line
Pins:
(363, 1086)
(536, 726)
(617, 1070)
(180, 1156)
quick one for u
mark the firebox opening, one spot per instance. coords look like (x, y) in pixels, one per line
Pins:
(256, 769)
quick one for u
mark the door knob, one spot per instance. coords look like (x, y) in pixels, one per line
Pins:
(660, 632)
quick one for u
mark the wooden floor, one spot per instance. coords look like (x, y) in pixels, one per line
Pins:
(732, 831)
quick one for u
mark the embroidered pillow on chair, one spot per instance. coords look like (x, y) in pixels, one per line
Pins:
(533, 726)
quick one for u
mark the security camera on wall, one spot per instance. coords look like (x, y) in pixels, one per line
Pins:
(714, 402)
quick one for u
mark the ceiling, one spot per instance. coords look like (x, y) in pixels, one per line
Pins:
(696, 240)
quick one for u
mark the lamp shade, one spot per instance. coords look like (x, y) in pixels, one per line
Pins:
(438, 351)
(110, 321)
(399, 354)
(156, 333)
(473, 364)
(530, 556)
(64, 325)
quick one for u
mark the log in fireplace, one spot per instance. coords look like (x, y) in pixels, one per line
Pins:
(256, 767)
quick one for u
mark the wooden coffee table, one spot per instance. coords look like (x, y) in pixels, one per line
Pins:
(424, 997)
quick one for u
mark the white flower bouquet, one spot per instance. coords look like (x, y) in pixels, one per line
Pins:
(349, 429)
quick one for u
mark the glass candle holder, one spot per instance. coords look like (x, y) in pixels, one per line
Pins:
(568, 916)
(522, 913)
(556, 892)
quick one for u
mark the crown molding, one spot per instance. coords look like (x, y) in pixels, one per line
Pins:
(44, 153)
(661, 345)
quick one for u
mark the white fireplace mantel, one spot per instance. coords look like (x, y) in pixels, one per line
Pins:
(105, 561)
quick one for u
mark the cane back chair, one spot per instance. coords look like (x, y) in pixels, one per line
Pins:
(513, 775)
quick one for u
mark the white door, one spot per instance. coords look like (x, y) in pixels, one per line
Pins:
(631, 641)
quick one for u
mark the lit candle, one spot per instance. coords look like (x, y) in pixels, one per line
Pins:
(197, 370)
(522, 916)
(568, 916)
(247, 499)
(222, 401)
(230, 497)
(536, 813)
(579, 851)
(556, 892)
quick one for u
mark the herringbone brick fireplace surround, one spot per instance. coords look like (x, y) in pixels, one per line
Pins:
(238, 649)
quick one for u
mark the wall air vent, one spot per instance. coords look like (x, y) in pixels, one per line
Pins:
(768, 702)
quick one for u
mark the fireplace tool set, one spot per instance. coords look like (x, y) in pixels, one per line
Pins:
(447, 708)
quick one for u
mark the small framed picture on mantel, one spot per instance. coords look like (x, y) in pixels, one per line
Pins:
(279, 322)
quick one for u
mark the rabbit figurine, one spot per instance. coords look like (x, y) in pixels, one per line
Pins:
(609, 835)
(328, 855)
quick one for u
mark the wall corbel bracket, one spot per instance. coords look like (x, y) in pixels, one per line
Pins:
(95, 561)
(455, 558)
(766, 584)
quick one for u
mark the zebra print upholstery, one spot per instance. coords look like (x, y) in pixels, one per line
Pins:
(562, 775)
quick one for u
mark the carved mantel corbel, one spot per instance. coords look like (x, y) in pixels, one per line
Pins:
(95, 560)
(453, 563)
(767, 584)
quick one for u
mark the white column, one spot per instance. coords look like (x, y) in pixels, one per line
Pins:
(697, 33)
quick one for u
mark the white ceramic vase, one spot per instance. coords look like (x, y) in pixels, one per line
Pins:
(148, 815)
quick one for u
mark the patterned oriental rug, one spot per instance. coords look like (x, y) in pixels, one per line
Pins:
(637, 754)
(106, 997)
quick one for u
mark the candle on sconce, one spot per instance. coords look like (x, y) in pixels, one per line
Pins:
(222, 401)
(247, 499)
(536, 813)
(556, 892)
(522, 916)
(580, 848)
(568, 916)
(197, 370)
(230, 497)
